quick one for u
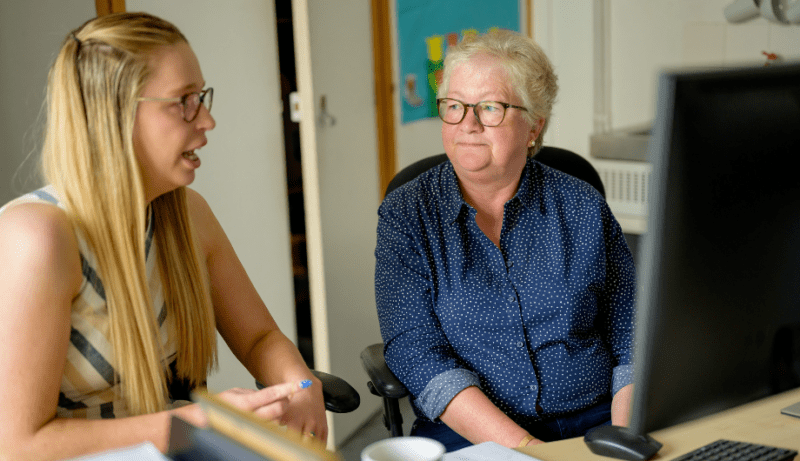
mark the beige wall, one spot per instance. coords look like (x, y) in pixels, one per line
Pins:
(30, 34)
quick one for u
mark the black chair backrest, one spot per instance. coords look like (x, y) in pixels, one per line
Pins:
(561, 159)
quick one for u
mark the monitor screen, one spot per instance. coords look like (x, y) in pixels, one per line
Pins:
(718, 320)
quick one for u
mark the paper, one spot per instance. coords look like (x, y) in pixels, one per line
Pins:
(142, 452)
(487, 451)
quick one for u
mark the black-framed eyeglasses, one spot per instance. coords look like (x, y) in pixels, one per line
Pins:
(489, 113)
(190, 103)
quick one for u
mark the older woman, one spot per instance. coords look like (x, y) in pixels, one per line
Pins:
(504, 287)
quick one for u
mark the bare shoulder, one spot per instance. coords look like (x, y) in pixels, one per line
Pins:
(38, 238)
(198, 206)
(39, 223)
(205, 223)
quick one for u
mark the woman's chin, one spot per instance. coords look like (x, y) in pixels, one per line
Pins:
(471, 161)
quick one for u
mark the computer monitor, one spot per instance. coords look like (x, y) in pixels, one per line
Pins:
(719, 302)
(718, 311)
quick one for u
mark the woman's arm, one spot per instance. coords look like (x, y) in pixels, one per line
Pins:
(621, 406)
(40, 274)
(248, 327)
(617, 305)
(478, 420)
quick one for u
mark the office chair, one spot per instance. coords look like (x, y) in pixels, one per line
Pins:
(382, 382)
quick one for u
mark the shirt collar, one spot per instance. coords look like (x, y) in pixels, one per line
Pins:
(454, 201)
(456, 205)
(527, 192)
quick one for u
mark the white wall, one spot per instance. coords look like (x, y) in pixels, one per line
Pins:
(682, 33)
(243, 175)
(645, 38)
(30, 35)
(243, 172)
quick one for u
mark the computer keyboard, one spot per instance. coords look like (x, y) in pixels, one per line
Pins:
(726, 450)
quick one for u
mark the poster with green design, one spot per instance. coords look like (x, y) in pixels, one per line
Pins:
(425, 29)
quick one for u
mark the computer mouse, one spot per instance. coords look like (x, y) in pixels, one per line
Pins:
(620, 443)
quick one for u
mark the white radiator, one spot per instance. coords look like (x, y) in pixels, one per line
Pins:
(627, 185)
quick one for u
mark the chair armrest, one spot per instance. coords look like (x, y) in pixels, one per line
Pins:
(384, 382)
(338, 394)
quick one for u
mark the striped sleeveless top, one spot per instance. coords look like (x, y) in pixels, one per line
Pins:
(88, 387)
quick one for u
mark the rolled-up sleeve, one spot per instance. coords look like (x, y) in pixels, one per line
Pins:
(442, 389)
(415, 347)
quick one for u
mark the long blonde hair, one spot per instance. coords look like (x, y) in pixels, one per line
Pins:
(88, 157)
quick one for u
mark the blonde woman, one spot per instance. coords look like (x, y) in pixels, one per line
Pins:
(116, 276)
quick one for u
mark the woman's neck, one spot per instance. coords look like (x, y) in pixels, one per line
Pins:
(489, 202)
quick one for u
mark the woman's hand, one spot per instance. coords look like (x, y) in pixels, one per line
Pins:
(306, 412)
(270, 403)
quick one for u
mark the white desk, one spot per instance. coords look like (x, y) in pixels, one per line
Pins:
(756, 422)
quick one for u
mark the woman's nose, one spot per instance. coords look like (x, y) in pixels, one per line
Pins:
(471, 121)
(205, 121)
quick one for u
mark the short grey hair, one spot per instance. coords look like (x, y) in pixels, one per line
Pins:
(531, 73)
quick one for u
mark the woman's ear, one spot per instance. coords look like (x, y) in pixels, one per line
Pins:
(537, 127)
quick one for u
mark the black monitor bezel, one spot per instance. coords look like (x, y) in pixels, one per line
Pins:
(653, 257)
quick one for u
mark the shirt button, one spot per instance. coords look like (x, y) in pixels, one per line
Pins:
(509, 263)
(511, 299)
(533, 387)
(520, 344)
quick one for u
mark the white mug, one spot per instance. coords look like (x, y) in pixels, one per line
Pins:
(404, 448)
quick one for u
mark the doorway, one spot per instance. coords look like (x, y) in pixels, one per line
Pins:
(294, 181)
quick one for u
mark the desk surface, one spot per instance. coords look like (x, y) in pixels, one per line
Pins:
(756, 422)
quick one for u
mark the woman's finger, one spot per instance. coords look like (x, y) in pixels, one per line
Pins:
(315, 433)
(280, 391)
(251, 400)
(272, 411)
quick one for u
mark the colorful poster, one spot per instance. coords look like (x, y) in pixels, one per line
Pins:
(425, 28)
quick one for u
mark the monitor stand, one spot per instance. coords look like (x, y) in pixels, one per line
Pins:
(620, 443)
(792, 410)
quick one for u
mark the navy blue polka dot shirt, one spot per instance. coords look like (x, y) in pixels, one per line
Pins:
(543, 324)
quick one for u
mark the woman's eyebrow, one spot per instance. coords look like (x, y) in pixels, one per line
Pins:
(189, 87)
